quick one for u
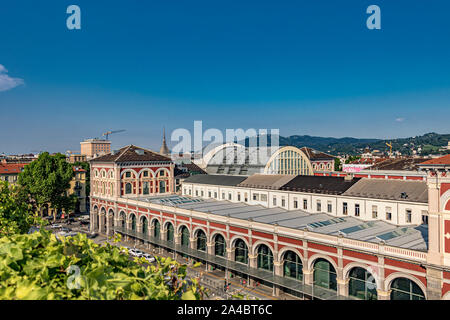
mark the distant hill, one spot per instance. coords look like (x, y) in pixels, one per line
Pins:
(429, 143)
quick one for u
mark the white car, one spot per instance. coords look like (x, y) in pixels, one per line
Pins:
(149, 257)
(135, 252)
(55, 226)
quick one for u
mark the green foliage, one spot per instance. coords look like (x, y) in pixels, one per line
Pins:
(16, 216)
(355, 146)
(337, 164)
(46, 181)
(352, 158)
(40, 266)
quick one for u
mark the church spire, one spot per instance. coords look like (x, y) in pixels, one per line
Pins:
(164, 149)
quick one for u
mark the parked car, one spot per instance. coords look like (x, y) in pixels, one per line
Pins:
(136, 253)
(56, 226)
(64, 229)
(92, 235)
(66, 234)
(149, 257)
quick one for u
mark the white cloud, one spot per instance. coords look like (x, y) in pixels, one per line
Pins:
(400, 119)
(7, 82)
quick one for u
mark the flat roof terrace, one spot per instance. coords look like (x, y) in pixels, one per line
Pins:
(408, 237)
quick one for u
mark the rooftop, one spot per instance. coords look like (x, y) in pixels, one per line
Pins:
(96, 141)
(415, 191)
(266, 181)
(389, 189)
(319, 184)
(132, 153)
(409, 164)
(316, 155)
(445, 160)
(409, 237)
(11, 168)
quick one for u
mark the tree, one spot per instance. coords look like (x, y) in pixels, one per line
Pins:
(16, 216)
(350, 159)
(40, 266)
(337, 164)
(46, 181)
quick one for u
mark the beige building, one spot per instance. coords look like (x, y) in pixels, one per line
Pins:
(72, 158)
(78, 187)
(92, 148)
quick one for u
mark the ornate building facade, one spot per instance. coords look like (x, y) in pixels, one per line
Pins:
(292, 251)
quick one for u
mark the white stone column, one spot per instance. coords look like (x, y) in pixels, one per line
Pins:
(278, 271)
(342, 287)
(109, 230)
(210, 251)
(252, 262)
(384, 295)
(308, 276)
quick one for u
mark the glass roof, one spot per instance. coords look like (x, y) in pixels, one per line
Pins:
(358, 227)
(394, 234)
(325, 222)
(174, 200)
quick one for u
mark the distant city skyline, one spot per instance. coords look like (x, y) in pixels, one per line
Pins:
(304, 68)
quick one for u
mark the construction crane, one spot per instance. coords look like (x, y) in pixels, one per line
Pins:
(390, 146)
(111, 132)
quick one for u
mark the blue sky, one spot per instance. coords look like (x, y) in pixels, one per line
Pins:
(305, 67)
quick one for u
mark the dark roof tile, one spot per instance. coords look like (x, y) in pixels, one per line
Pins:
(319, 184)
(132, 153)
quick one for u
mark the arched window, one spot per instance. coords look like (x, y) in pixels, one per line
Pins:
(111, 218)
(123, 219)
(103, 220)
(156, 229)
(145, 187)
(162, 187)
(362, 284)
(144, 225)
(219, 245)
(128, 188)
(241, 251)
(184, 236)
(201, 240)
(406, 289)
(133, 222)
(324, 274)
(170, 232)
(265, 258)
(292, 266)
